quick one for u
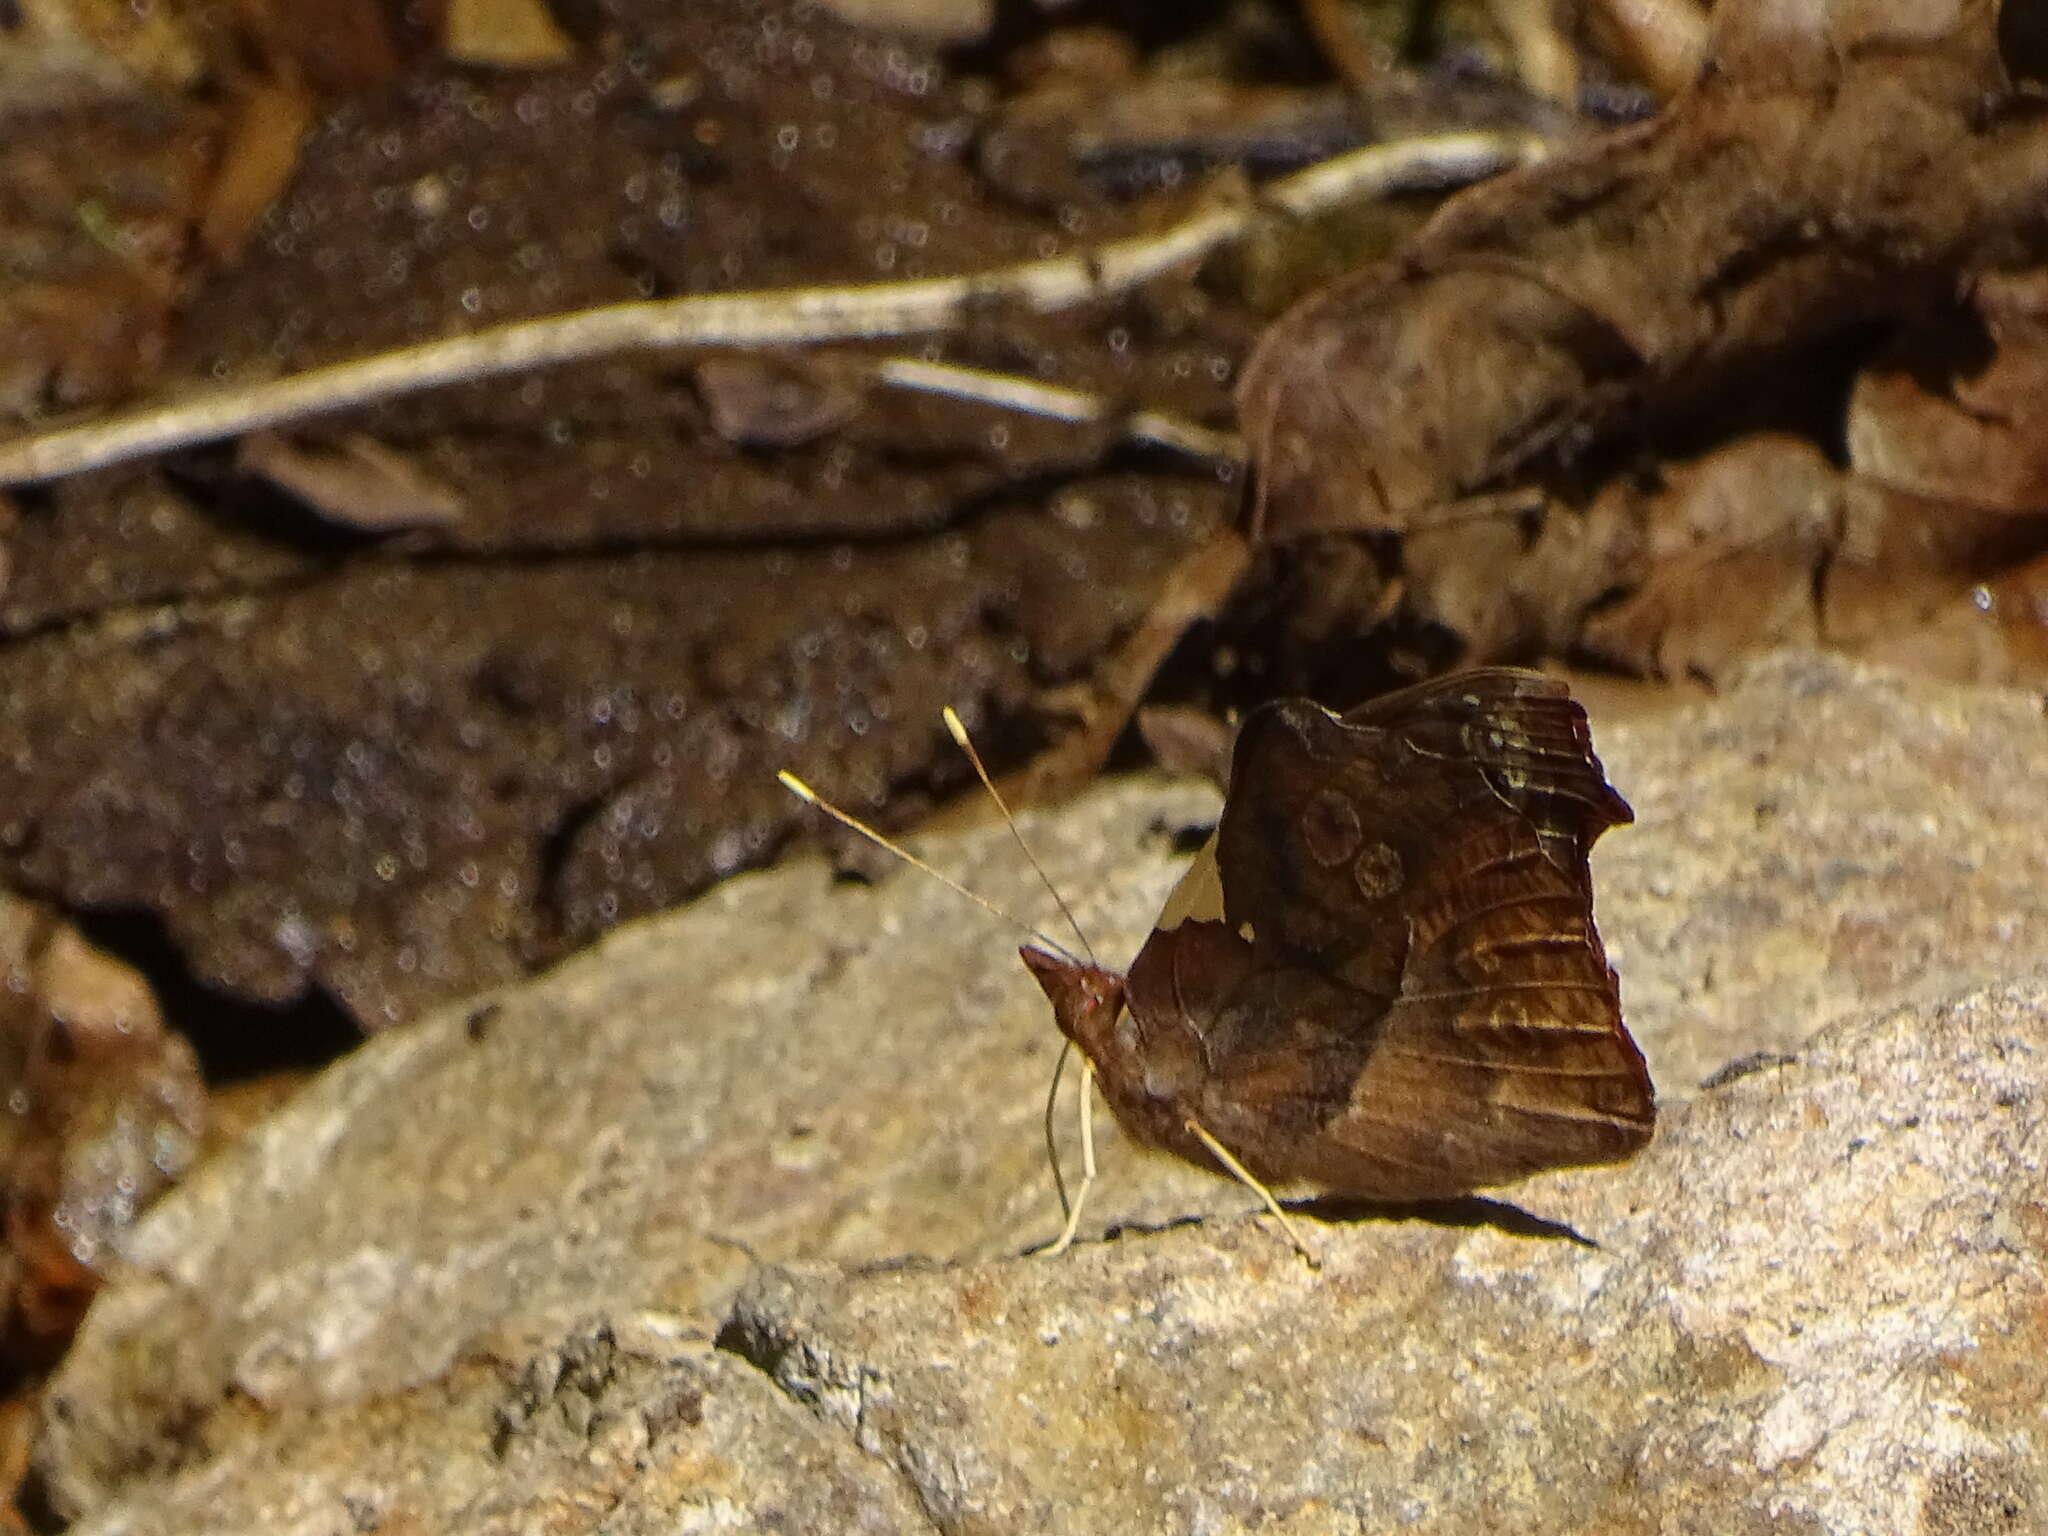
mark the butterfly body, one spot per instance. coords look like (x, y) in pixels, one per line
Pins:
(1382, 979)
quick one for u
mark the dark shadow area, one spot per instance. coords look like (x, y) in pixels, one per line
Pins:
(236, 1039)
(1464, 1211)
(232, 499)
(2023, 42)
(1185, 841)
(1745, 1066)
(1125, 1229)
(33, 1503)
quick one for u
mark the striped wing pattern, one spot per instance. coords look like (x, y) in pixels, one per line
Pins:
(1439, 958)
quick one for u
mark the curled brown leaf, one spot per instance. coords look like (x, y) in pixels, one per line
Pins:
(1785, 197)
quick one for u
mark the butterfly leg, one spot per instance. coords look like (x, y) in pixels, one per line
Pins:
(1244, 1176)
(1073, 1223)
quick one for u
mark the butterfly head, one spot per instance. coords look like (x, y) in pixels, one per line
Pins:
(1086, 999)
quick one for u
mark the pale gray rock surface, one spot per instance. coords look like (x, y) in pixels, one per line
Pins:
(788, 1068)
(1817, 1300)
(621, 1427)
(1816, 1303)
(1821, 841)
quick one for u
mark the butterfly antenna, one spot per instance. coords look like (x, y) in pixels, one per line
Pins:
(960, 735)
(810, 796)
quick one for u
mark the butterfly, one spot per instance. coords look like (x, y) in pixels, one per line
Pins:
(1381, 978)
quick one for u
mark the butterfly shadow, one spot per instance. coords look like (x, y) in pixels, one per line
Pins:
(1337, 1210)
(1458, 1211)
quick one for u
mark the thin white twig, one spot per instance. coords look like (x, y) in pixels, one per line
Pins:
(1160, 429)
(779, 317)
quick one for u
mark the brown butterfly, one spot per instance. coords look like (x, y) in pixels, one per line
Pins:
(1381, 977)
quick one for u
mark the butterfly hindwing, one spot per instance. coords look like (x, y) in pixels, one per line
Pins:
(1421, 1004)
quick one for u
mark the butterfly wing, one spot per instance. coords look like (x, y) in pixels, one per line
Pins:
(1505, 1051)
(1426, 1008)
(1525, 736)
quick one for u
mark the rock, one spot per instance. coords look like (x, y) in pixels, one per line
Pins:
(1816, 1299)
(662, 1434)
(1821, 841)
(1816, 1304)
(789, 1067)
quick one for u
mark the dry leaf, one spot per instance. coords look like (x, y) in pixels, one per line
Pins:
(2017, 602)
(333, 47)
(1195, 589)
(17, 1445)
(76, 343)
(57, 55)
(1660, 42)
(262, 152)
(1543, 57)
(99, 212)
(764, 400)
(1732, 544)
(1186, 741)
(1903, 558)
(503, 34)
(1512, 584)
(1784, 197)
(1996, 632)
(355, 482)
(929, 21)
(1937, 419)
(1313, 618)
(107, 1109)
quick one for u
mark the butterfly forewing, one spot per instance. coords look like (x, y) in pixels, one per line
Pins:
(1525, 737)
(1424, 1006)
